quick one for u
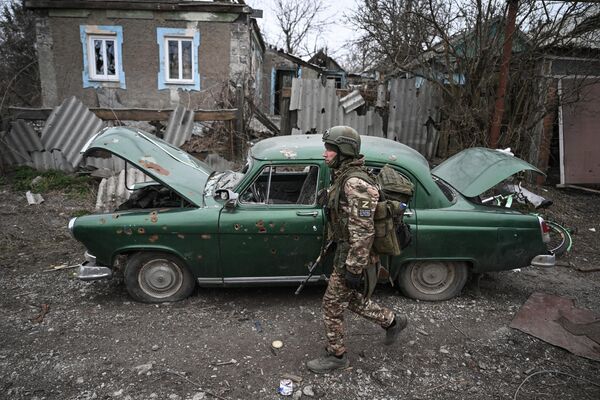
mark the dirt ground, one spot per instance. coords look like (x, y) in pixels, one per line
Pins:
(94, 342)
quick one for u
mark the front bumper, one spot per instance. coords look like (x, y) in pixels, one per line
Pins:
(544, 261)
(90, 271)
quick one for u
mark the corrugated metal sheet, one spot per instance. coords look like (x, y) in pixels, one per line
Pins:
(47, 160)
(413, 107)
(179, 126)
(352, 101)
(113, 163)
(68, 128)
(319, 109)
(23, 136)
(112, 191)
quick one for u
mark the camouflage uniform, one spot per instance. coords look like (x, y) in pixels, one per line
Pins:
(351, 226)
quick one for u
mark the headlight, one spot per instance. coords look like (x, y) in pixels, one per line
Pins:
(71, 225)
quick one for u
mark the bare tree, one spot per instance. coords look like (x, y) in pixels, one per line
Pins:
(456, 45)
(298, 22)
(19, 78)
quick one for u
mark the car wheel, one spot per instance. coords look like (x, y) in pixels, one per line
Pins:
(157, 277)
(432, 280)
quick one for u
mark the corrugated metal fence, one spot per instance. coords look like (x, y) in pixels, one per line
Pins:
(413, 112)
(319, 108)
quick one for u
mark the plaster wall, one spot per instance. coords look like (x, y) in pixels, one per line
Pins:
(61, 61)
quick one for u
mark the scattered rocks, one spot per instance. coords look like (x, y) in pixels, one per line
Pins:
(308, 391)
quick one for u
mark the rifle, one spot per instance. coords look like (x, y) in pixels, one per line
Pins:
(312, 268)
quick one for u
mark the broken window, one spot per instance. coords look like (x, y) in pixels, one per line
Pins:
(178, 49)
(284, 184)
(103, 51)
(102, 55)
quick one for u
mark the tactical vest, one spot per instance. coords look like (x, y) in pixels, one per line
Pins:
(338, 223)
(391, 234)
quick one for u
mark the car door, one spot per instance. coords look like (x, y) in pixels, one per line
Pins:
(276, 229)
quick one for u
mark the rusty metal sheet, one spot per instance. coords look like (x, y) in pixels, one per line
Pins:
(179, 126)
(555, 320)
(68, 128)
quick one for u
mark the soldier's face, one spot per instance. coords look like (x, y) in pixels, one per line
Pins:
(329, 156)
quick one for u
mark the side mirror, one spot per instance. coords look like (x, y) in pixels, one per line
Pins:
(230, 197)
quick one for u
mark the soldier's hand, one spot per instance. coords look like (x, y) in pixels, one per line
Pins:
(353, 281)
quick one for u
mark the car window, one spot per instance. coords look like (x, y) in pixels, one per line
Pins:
(448, 192)
(283, 184)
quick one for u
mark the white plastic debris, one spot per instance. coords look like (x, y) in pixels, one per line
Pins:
(592, 229)
(34, 198)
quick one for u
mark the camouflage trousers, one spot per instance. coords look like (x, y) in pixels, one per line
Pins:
(337, 299)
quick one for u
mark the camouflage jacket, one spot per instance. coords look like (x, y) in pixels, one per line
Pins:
(351, 222)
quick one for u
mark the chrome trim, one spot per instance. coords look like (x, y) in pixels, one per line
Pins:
(71, 225)
(88, 272)
(210, 281)
(90, 258)
(307, 213)
(544, 261)
(273, 279)
(408, 213)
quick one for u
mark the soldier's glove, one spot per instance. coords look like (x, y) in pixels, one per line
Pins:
(353, 281)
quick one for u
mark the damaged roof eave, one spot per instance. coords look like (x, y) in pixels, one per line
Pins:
(172, 5)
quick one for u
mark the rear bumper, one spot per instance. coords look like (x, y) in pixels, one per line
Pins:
(90, 271)
(544, 261)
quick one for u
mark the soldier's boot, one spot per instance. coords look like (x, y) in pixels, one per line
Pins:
(328, 363)
(392, 331)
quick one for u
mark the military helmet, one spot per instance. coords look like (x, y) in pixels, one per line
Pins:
(345, 138)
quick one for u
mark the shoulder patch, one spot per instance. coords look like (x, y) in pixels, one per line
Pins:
(364, 208)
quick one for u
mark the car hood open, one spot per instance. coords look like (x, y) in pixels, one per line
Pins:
(473, 171)
(158, 159)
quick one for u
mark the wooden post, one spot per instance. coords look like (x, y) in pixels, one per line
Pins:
(239, 122)
(285, 127)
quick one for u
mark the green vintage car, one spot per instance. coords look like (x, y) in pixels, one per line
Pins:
(192, 226)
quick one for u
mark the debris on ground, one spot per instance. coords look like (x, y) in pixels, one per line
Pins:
(34, 198)
(556, 320)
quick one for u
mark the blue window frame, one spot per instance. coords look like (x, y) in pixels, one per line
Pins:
(178, 53)
(102, 56)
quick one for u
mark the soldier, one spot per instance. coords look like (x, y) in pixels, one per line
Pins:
(352, 199)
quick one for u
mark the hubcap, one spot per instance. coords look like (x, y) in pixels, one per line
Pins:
(433, 277)
(160, 278)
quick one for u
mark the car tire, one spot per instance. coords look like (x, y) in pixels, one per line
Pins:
(152, 277)
(432, 280)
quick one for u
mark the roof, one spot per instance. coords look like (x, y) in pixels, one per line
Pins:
(164, 5)
(294, 59)
(322, 56)
(310, 147)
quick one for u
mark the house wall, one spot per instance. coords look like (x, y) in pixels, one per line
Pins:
(223, 54)
(272, 63)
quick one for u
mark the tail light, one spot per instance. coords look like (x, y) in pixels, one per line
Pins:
(545, 230)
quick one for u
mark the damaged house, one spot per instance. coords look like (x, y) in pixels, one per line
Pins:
(146, 54)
